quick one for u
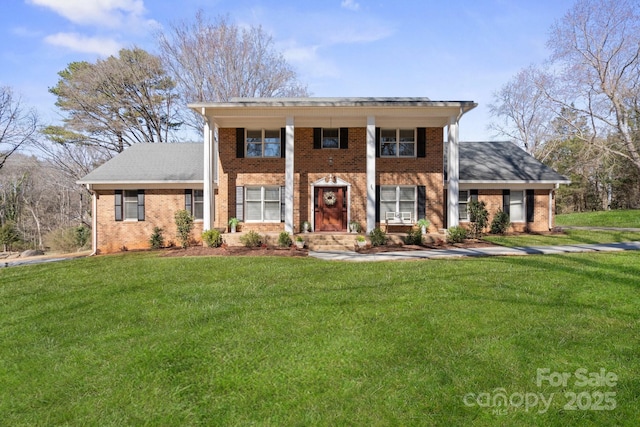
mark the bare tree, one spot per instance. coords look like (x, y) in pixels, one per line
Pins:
(596, 46)
(523, 109)
(17, 125)
(218, 61)
(117, 102)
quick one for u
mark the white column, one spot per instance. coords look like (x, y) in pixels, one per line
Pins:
(94, 220)
(453, 173)
(288, 176)
(371, 173)
(550, 219)
(207, 177)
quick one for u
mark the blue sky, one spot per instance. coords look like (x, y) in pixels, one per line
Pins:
(453, 50)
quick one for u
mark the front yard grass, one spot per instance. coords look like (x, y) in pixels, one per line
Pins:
(625, 218)
(569, 237)
(138, 339)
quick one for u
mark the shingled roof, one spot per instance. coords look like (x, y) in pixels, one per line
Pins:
(502, 161)
(151, 163)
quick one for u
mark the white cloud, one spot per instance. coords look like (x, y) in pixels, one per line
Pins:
(350, 4)
(79, 43)
(103, 13)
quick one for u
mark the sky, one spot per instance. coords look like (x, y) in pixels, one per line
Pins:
(455, 50)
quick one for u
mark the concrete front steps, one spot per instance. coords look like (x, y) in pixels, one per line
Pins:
(329, 241)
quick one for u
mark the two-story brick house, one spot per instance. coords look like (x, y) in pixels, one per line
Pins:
(276, 163)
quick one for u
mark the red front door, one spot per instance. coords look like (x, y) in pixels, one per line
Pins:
(330, 209)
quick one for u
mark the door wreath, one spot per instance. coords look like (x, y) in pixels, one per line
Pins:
(329, 198)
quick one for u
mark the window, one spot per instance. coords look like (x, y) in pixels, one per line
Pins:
(263, 143)
(262, 204)
(398, 199)
(463, 204)
(330, 138)
(194, 203)
(129, 205)
(516, 206)
(397, 142)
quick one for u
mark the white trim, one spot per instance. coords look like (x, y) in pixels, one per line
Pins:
(207, 178)
(509, 182)
(550, 218)
(453, 172)
(94, 221)
(288, 174)
(152, 185)
(371, 173)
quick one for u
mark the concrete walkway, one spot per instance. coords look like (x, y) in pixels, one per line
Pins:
(474, 252)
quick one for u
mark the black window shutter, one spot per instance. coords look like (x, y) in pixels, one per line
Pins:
(187, 201)
(474, 195)
(422, 201)
(282, 201)
(344, 138)
(377, 203)
(377, 142)
(422, 142)
(240, 203)
(530, 205)
(240, 143)
(140, 205)
(118, 204)
(317, 138)
(283, 145)
(506, 201)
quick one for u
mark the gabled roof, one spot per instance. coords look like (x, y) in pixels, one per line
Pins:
(502, 161)
(151, 163)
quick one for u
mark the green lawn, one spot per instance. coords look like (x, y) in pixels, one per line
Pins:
(569, 237)
(138, 339)
(613, 218)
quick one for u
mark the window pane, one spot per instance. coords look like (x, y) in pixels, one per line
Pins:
(272, 211)
(198, 195)
(254, 193)
(330, 138)
(388, 193)
(254, 136)
(272, 150)
(387, 207)
(254, 150)
(407, 207)
(130, 204)
(516, 211)
(272, 136)
(407, 135)
(407, 149)
(253, 211)
(272, 193)
(407, 193)
(463, 196)
(198, 210)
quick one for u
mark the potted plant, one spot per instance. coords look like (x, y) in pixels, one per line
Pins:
(423, 223)
(306, 226)
(361, 241)
(299, 242)
(354, 226)
(233, 224)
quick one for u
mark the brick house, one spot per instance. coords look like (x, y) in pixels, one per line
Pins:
(276, 163)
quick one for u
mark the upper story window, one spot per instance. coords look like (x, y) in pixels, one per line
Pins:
(330, 138)
(263, 143)
(397, 142)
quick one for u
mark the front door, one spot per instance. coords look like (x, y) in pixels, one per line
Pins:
(330, 208)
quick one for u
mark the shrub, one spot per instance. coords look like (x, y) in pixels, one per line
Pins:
(156, 241)
(500, 223)
(251, 239)
(456, 234)
(212, 238)
(8, 235)
(478, 217)
(378, 237)
(68, 239)
(414, 237)
(184, 225)
(284, 240)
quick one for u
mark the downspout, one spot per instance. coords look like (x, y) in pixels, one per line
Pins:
(94, 221)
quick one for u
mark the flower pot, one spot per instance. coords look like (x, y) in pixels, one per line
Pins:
(299, 244)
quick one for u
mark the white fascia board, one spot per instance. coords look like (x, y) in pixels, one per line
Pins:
(144, 184)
